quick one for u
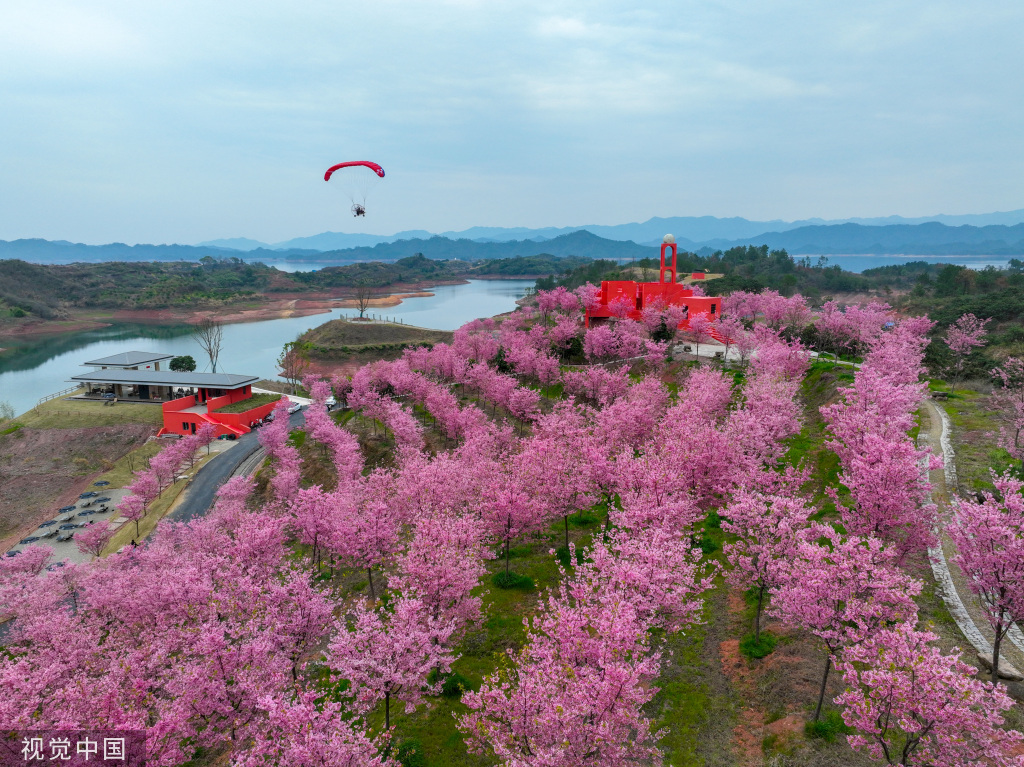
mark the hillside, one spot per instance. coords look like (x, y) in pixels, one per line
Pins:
(343, 335)
(929, 239)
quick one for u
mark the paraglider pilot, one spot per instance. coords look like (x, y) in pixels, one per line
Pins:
(358, 210)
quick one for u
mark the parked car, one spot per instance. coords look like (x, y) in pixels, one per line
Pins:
(63, 537)
(30, 539)
(294, 407)
(49, 523)
(50, 533)
(86, 513)
(104, 499)
(70, 526)
(90, 494)
(13, 553)
(330, 402)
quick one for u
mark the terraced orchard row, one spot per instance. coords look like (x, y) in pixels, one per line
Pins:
(490, 558)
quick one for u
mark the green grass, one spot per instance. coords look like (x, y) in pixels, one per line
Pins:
(250, 403)
(692, 707)
(808, 448)
(762, 648)
(512, 580)
(975, 427)
(81, 414)
(828, 727)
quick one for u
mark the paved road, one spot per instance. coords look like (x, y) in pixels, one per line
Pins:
(202, 491)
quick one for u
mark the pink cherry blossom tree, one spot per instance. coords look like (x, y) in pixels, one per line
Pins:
(389, 654)
(843, 591)
(989, 537)
(310, 732)
(575, 693)
(1009, 399)
(699, 331)
(962, 337)
(767, 529)
(94, 538)
(910, 704)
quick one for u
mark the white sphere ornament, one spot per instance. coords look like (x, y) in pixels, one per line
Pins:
(668, 239)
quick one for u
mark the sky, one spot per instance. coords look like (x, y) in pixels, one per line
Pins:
(184, 121)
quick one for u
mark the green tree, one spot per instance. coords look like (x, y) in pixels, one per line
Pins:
(184, 364)
(293, 362)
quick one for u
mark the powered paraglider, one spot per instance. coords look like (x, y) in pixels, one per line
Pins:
(356, 179)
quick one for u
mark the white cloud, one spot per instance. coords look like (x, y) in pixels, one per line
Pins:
(65, 33)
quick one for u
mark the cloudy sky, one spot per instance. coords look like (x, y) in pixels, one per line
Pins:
(182, 121)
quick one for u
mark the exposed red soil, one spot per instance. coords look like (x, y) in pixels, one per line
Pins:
(44, 469)
(35, 327)
(270, 307)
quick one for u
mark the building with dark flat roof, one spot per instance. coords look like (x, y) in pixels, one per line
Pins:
(130, 361)
(189, 399)
(157, 381)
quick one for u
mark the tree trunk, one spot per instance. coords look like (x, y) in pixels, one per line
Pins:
(387, 711)
(369, 574)
(566, 531)
(995, 652)
(824, 681)
(757, 615)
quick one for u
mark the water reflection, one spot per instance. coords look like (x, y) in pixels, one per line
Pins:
(33, 368)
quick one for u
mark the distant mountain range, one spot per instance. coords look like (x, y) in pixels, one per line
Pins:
(923, 239)
(696, 229)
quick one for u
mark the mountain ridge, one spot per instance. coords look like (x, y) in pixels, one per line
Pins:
(700, 229)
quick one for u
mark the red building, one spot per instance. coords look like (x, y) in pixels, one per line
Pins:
(189, 400)
(639, 294)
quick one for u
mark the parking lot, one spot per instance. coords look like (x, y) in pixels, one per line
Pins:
(58, 532)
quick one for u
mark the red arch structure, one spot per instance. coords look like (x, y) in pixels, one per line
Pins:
(640, 294)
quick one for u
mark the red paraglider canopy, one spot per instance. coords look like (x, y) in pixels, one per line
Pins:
(371, 165)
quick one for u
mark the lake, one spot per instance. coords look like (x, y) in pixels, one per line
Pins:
(43, 365)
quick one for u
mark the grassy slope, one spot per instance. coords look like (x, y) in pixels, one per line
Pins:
(80, 414)
(342, 335)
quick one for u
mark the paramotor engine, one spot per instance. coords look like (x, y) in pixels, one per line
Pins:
(356, 179)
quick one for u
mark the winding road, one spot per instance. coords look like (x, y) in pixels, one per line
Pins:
(243, 459)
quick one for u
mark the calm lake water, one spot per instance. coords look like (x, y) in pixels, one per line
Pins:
(44, 365)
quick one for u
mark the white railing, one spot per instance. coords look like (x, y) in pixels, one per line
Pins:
(61, 393)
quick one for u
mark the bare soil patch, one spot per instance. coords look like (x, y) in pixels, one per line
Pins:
(44, 469)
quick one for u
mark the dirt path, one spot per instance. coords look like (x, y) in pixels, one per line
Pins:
(962, 604)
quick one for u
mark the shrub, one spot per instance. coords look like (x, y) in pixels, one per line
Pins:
(761, 649)
(827, 727)
(707, 545)
(17, 311)
(505, 580)
(409, 753)
(455, 685)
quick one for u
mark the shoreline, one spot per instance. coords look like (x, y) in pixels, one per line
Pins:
(281, 307)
